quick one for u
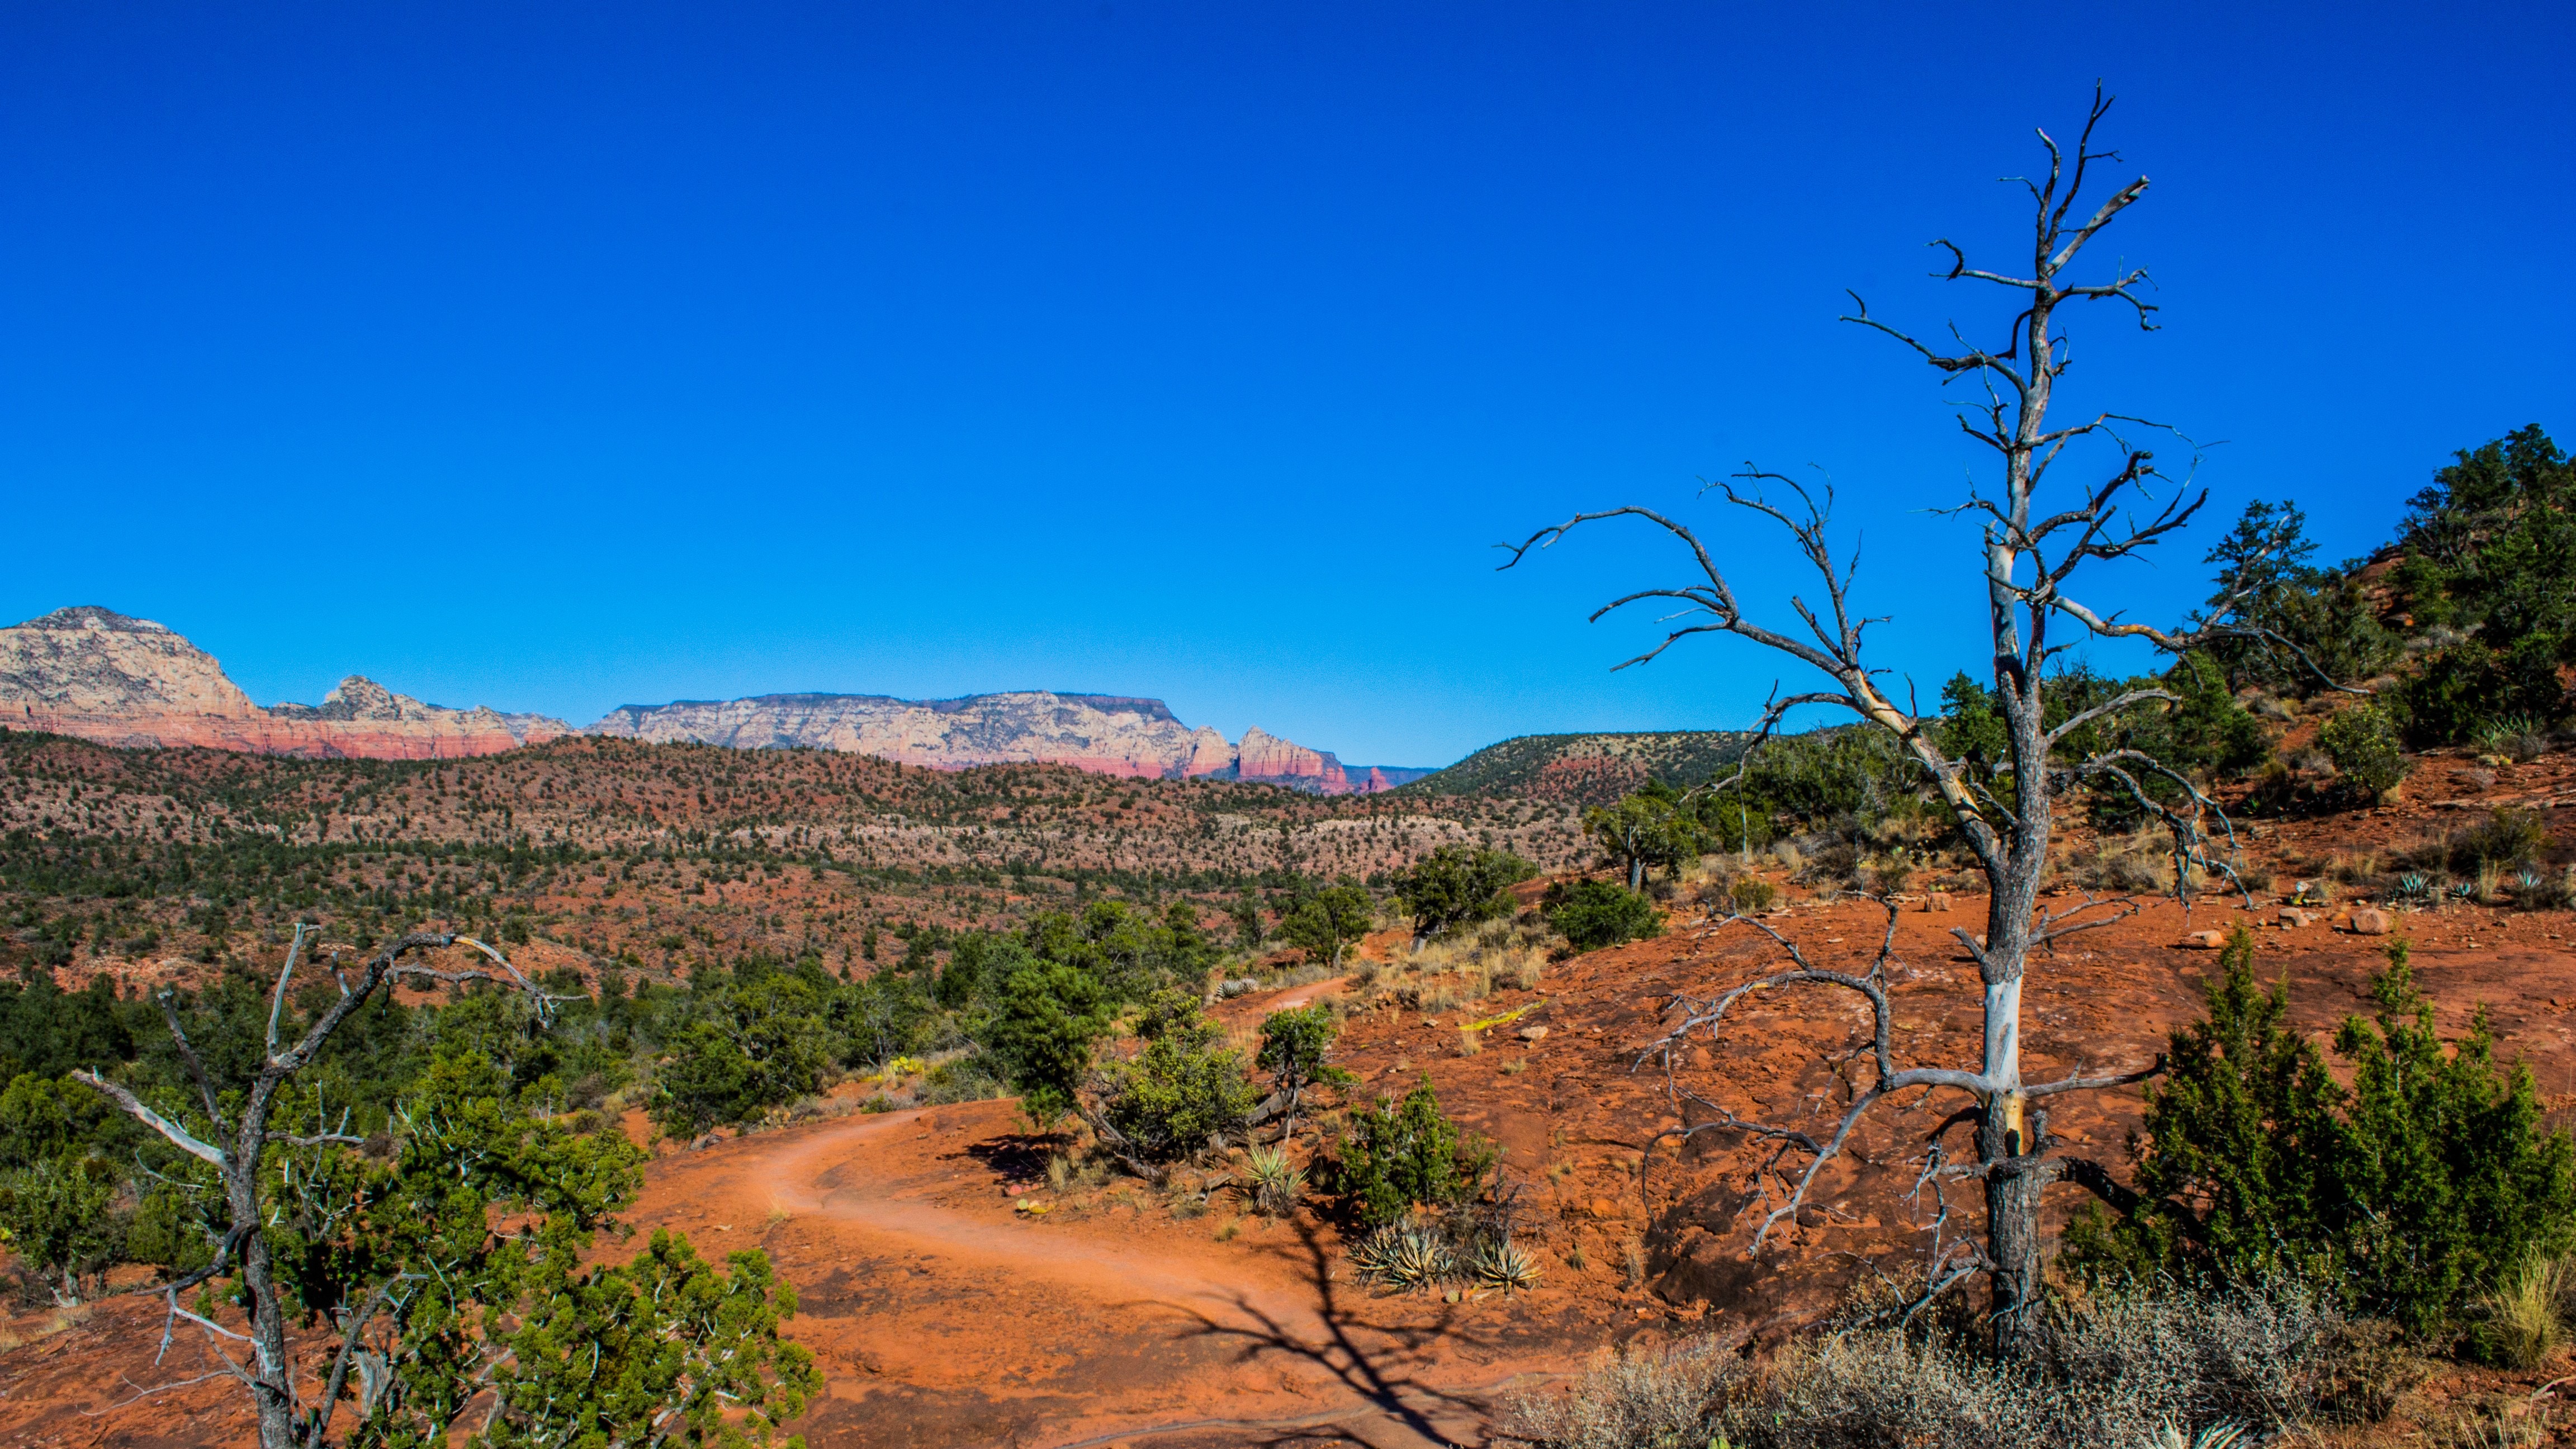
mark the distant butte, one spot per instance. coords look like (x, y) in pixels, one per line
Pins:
(99, 675)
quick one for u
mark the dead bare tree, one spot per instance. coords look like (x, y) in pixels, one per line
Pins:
(241, 1142)
(2029, 557)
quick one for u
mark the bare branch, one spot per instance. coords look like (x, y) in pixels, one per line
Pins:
(2095, 1084)
(2111, 706)
(179, 1137)
(188, 1056)
(349, 1338)
(277, 999)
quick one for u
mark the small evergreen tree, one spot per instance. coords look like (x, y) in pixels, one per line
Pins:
(1456, 885)
(1185, 1090)
(1399, 1154)
(1296, 1050)
(1644, 831)
(1327, 921)
(2404, 1195)
(1042, 1032)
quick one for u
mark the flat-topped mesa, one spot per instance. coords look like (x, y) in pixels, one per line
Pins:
(1106, 734)
(99, 675)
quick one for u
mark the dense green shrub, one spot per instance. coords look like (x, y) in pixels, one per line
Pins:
(2404, 1194)
(2490, 553)
(1397, 1155)
(1456, 885)
(59, 1218)
(2362, 742)
(752, 1043)
(1183, 1091)
(2459, 690)
(1592, 914)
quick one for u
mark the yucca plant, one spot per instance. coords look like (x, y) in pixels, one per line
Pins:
(1276, 1181)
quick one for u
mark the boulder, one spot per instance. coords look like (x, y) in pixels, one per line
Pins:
(2370, 922)
(1532, 1033)
(2294, 918)
(2204, 940)
(1937, 901)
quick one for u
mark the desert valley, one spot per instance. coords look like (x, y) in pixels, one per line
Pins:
(1909, 895)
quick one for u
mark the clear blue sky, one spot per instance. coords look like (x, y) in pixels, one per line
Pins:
(563, 356)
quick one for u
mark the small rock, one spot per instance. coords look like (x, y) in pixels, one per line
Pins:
(1937, 901)
(2370, 922)
(2294, 918)
(1602, 1207)
(1532, 1033)
(2204, 940)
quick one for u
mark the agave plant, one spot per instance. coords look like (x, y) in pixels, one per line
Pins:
(2498, 736)
(2216, 1436)
(2414, 886)
(1503, 1265)
(1403, 1256)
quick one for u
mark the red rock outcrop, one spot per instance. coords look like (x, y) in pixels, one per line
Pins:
(1265, 757)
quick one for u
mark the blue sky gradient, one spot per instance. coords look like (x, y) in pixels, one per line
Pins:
(559, 357)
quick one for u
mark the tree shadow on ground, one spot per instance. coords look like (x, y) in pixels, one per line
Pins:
(1016, 1157)
(1384, 1379)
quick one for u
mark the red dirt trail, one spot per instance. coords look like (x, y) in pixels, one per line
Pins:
(943, 1317)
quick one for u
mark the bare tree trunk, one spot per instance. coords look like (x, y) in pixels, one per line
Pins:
(2028, 557)
(2014, 1180)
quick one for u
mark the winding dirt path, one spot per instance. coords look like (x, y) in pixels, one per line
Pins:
(942, 1316)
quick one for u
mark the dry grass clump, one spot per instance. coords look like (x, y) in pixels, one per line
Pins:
(1631, 1398)
(2115, 1371)
(55, 1321)
(1467, 967)
(2524, 1317)
(2492, 1426)
(2139, 863)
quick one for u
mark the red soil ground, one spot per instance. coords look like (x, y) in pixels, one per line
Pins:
(945, 1315)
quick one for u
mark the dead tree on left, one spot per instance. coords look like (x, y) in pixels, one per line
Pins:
(237, 1146)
